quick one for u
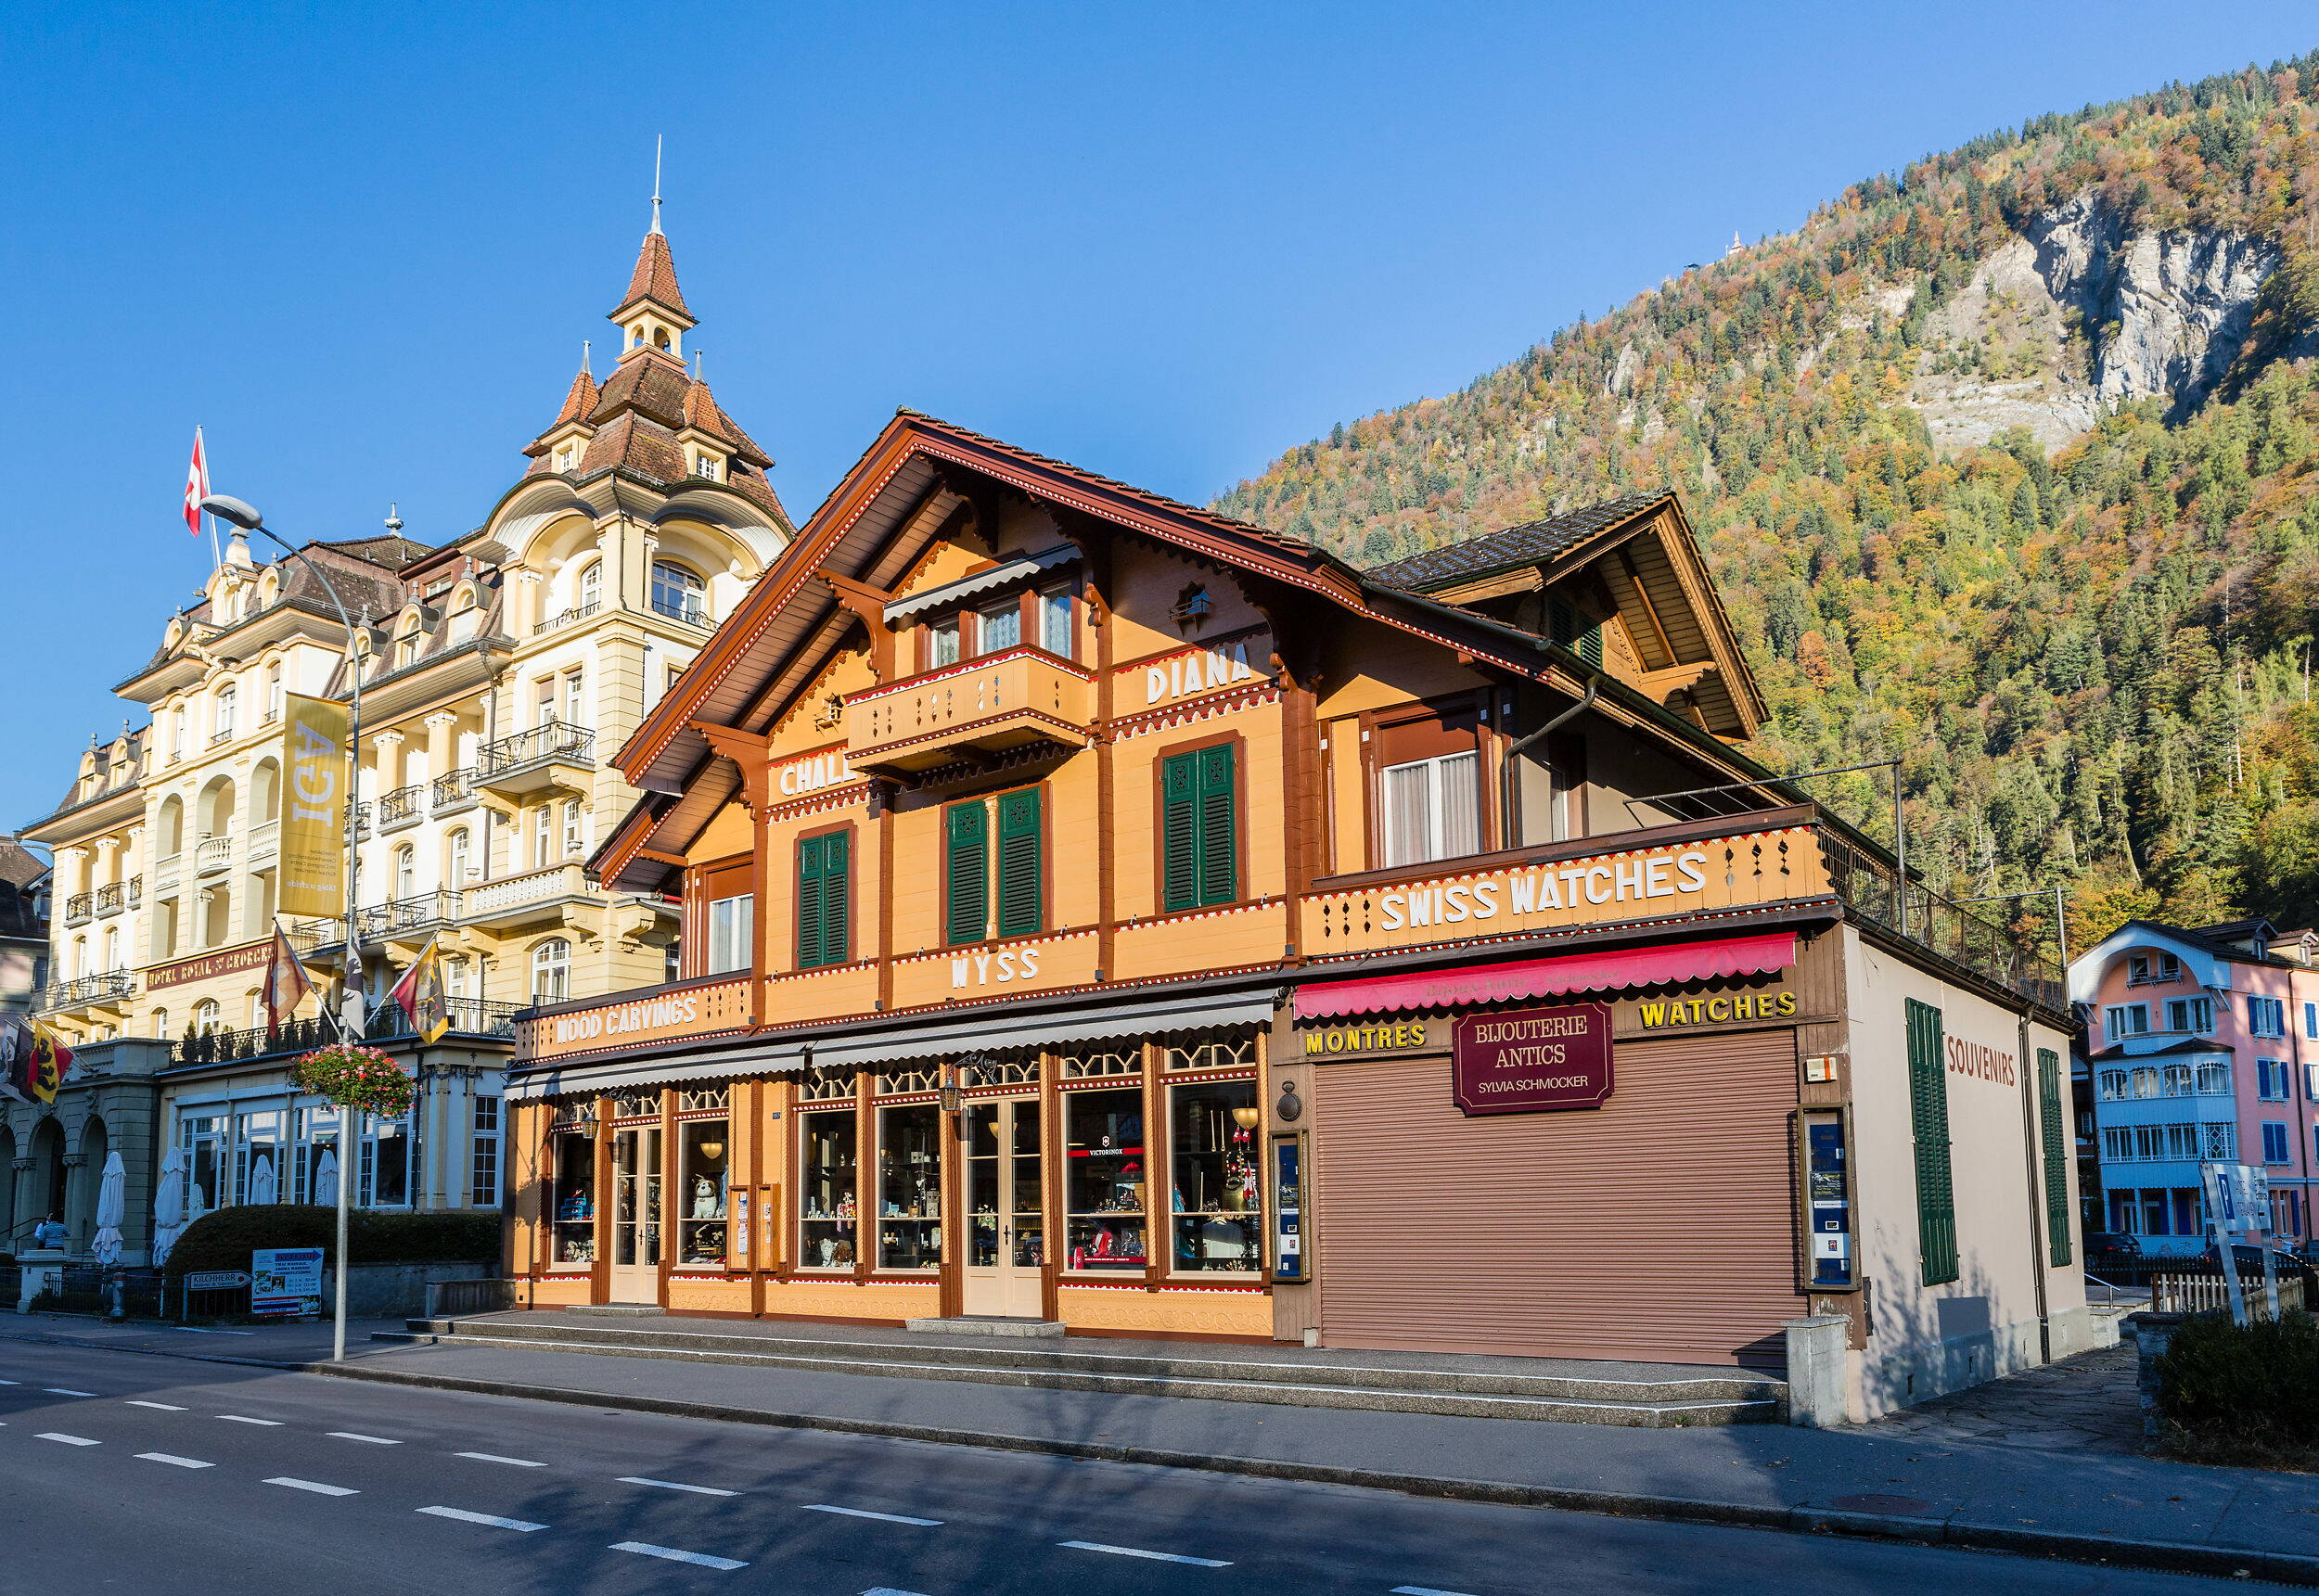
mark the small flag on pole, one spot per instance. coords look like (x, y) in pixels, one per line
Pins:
(51, 1062)
(420, 991)
(197, 485)
(286, 982)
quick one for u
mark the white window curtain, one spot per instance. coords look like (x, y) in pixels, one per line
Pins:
(732, 922)
(1433, 810)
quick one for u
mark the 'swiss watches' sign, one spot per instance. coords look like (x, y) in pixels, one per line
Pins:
(1530, 1061)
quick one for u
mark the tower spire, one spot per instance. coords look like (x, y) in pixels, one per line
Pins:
(655, 182)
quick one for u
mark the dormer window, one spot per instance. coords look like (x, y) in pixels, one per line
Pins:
(709, 467)
(567, 456)
(407, 645)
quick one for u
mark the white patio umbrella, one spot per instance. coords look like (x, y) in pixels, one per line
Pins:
(327, 1178)
(262, 1184)
(112, 1206)
(169, 1206)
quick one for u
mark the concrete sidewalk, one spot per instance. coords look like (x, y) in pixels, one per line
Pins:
(2119, 1510)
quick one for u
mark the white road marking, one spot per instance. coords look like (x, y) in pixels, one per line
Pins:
(1138, 1552)
(881, 1518)
(676, 1485)
(60, 1391)
(495, 1458)
(194, 1330)
(889, 1591)
(355, 1436)
(176, 1461)
(165, 1407)
(10, 1382)
(702, 1558)
(68, 1440)
(239, 1419)
(313, 1485)
(1423, 1591)
(465, 1517)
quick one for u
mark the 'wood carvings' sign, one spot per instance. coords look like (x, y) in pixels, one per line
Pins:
(1530, 1061)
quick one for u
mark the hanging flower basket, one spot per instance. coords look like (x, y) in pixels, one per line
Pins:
(355, 1077)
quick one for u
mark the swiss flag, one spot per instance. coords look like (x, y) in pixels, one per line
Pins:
(197, 485)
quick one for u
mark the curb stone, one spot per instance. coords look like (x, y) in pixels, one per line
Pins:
(2165, 1556)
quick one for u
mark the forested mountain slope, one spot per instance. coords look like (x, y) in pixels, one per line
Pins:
(2008, 465)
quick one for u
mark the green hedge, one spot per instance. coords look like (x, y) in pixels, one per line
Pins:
(2232, 1395)
(226, 1239)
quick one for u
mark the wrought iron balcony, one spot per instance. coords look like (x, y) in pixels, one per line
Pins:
(981, 706)
(547, 756)
(406, 919)
(692, 614)
(387, 1023)
(455, 790)
(401, 807)
(136, 890)
(112, 898)
(79, 909)
(88, 991)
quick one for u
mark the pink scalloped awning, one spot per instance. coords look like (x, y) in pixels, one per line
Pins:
(1544, 977)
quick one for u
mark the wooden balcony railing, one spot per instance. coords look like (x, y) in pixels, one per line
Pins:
(981, 706)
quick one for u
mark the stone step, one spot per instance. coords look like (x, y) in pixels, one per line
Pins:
(1738, 1400)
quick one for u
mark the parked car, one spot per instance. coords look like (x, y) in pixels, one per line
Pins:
(2288, 1264)
(2102, 1244)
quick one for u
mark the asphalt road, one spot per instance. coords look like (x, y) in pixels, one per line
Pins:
(170, 1477)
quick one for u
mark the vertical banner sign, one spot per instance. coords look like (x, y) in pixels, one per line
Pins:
(314, 808)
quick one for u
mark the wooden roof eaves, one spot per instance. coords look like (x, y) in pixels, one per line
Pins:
(610, 862)
(1683, 549)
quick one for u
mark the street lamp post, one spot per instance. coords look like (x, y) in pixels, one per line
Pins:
(237, 513)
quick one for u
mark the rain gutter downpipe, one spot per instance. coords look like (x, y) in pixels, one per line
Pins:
(1507, 767)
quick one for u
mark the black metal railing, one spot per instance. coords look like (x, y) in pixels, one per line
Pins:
(79, 909)
(401, 804)
(454, 787)
(405, 916)
(556, 740)
(470, 1016)
(113, 899)
(693, 613)
(1870, 891)
(88, 989)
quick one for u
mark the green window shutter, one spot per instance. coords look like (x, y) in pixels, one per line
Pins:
(1019, 894)
(2056, 1157)
(1179, 832)
(966, 832)
(1928, 1122)
(1575, 629)
(1219, 826)
(836, 898)
(809, 902)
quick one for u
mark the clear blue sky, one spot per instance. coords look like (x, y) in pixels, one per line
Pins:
(360, 244)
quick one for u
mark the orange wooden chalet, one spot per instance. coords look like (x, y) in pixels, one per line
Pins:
(1086, 897)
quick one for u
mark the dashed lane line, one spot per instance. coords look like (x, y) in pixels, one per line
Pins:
(465, 1517)
(165, 1407)
(495, 1458)
(68, 1440)
(314, 1485)
(700, 1558)
(245, 1418)
(61, 1391)
(677, 1484)
(1423, 1591)
(887, 1590)
(11, 1382)
(356, 1436)
(881, 1518)
(1139, 1551)
(176, 1461)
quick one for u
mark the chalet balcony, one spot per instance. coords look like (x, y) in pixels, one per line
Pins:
(969, 711)
(79, 909)
(1722, 867)
(212, 856)
(112, 990)
(554, 755)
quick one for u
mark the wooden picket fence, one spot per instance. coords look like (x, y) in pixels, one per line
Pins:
(2211, 1292)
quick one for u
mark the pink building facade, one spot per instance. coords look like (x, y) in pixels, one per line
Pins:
(2203, 1046)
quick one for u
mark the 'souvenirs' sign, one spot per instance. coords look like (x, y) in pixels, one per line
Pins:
(1528, 1061)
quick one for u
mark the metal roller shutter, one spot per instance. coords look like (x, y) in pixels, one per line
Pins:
(1657, 1228)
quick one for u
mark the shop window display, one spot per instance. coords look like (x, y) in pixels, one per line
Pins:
(909, 1187)
(827, 1224)
(1104, 1195)
(574, 1176)
(1216, 1211)
(703, 1177)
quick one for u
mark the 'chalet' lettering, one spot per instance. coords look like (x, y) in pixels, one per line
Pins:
(812, 776)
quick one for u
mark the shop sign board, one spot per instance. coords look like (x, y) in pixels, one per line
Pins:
(1530, 1061)
(286, 1280)
(216, 1279)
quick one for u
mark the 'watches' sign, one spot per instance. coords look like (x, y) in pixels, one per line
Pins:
(1530, 1061)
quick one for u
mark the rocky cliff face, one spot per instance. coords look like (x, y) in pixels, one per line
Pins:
(2079, 314)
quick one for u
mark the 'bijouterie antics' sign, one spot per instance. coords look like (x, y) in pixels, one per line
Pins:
(1531, 1060)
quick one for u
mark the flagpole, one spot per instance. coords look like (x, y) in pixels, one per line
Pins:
(200, 447)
